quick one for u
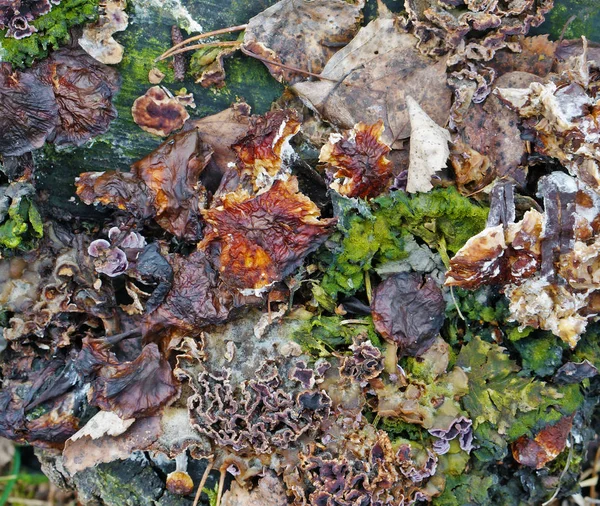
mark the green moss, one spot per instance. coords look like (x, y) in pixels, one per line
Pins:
(374, 233)
(21, 224)
(586, 20)
(52, 31)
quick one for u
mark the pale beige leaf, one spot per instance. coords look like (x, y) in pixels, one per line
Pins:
(428, 148)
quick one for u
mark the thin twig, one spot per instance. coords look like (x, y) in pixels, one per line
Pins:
(221, 485)
(562, 474)
(202, 482)
(201, 36)
(247, 52)
(225, 43)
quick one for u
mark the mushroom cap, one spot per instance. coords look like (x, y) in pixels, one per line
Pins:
(180, 483)
(157, 113)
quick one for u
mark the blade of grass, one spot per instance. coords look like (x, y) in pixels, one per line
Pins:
(14, 472)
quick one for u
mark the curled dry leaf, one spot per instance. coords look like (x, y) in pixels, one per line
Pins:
(428, 148)
(220, 131)
(38, 111)
(264, 149)
(84, 89)
(262, 239)
(207, 66)
(367, 81)
(357, 162)
(547, 444)
(303, 35)
(97, 39)
(103, 423)
(158, 113)
(171, 173)
(408, 312)
(163, 185)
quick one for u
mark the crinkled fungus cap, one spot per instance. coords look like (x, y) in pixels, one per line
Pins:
(409, 312)
(28, 111)
(157, 113)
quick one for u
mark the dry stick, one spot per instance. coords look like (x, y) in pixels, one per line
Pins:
(201, 36)
(225, 43)
(595, 472)
(247, 52)
(221, 484)
(202, 482)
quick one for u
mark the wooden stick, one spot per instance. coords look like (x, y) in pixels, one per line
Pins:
(231, 29)
(221, 484)
(225, 43)
(247, 52)
(202, 482)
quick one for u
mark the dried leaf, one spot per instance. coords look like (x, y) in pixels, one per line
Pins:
(302, 35)
(269, 492)
(357, 161)
(103, 423)
(171, 173)
(409, 312)
(262, 239)
(428, 148)
(368, 81)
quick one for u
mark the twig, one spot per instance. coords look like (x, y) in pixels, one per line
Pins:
(201, 36)
(202, 482)
(27, 502)
(595, 473)
(562, 474)
(225, 43)
(247, 52)
(564, 30)
(221, 485)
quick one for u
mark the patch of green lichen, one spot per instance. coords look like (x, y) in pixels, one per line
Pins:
(505, 405)
(373, 233)
(22, 226)
(52, 31)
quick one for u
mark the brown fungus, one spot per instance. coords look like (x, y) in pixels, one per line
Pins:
(260, 240)
(158, 113)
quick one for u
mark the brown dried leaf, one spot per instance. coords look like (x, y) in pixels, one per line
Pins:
(171, 174)
(408, 312)
(262, 239)
(303, 35)
(357, 161)
(545, 446)
(158, 113)
(220, 131)
(369, 80)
